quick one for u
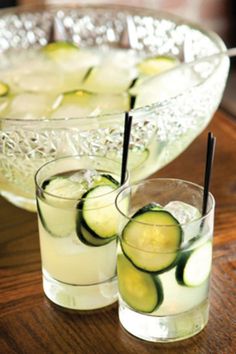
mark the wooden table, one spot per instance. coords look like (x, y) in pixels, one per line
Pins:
(29, 323)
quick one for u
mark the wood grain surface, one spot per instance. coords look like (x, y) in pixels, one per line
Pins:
(29, 323)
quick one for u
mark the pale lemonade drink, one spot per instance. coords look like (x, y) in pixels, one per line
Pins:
(64, 81)
(78, 229)
(164, 260)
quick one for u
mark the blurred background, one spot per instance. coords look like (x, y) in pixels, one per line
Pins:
(217, 15)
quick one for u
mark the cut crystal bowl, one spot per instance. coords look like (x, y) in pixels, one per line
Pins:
(160, 131)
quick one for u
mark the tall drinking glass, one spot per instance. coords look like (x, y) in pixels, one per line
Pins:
(164, 259)
(77, 222)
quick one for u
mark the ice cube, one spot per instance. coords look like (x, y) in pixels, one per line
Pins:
(162, 87)
(188, 216)
(40, 81)
(91, 176)
(183, 212)
(85, 177)
(106, 103)
(71, 111)
(80, 61)
(29, 106)
(120, 58)
(109, 79)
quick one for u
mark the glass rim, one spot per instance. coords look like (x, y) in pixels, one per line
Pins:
(76, 157)
(213, 36)
(201, 218)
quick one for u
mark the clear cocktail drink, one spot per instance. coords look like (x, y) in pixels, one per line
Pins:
(64, 81)
(78, 230)
(164, 260)
(76, 97)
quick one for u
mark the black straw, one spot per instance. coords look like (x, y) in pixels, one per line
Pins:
(211, 142)
(125, 152)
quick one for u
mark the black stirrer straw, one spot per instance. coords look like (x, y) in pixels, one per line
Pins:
(125, 152)
(211, 142)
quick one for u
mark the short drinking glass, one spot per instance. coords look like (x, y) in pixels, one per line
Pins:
(78, 227)
(164, 259)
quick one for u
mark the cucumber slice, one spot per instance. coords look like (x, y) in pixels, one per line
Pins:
(60, 51)
(83, 229)
(140, 290)
(157, 65)
(147, 68)
(99, 212)
(89, 238)
(4, 89)
(107, 180)
(73, 104)
(151, 240)
(148, 207)
(194, 267)
(62, 187)
(82, 103)
(58, 222)
(58, 216)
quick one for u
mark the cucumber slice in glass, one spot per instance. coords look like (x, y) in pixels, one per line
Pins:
(58, 216)
(151, 240)
(96, 226)
(63, 187)
(59, 222)
(90, 239)
(99, 212)
(148, 207)
(107, 180)
(140, 290)
(194, 267)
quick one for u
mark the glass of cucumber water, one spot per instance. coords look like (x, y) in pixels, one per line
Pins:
(78, 222)
(164, 259)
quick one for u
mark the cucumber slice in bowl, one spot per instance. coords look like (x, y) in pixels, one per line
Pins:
(4, 89)
(60, 51)
(194, 266)
(140, 290)
(151, 239)
(157, 65)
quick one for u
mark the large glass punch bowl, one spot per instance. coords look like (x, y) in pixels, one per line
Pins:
(161, 130)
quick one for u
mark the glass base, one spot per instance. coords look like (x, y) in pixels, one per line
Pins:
(20, 202)
(164, 328)
(80, 297)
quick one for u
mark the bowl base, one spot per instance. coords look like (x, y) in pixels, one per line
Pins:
(21, 202)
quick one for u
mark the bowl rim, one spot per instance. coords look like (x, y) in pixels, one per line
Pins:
(136, 10)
